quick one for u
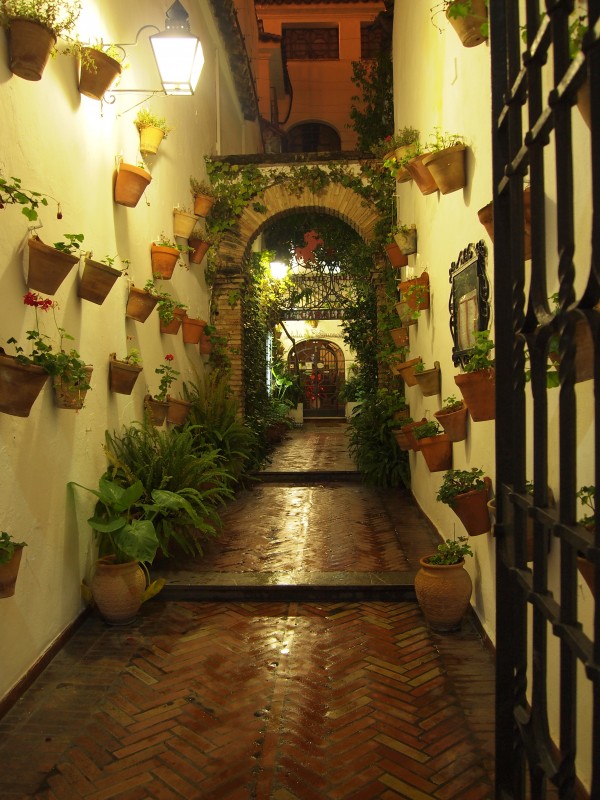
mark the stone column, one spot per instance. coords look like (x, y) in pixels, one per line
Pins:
(226, 316)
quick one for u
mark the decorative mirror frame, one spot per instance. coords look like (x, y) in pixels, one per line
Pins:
(469, 303)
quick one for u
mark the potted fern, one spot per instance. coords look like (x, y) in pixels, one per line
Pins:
(443, 586)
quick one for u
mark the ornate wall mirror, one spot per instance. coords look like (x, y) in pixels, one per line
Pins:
(469, 304)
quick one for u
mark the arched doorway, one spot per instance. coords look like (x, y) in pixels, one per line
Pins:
(322, 366)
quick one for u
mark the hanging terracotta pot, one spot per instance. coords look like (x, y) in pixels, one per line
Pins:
(183, 223)
(173, 326)
(415, 292)
(117, 590)
(150, 140)
(404, 151)
(402, 414)
(421, 175)
(448, 168)
(9, 573)
(406, 370)
(97, 73)
(20, 385)
(395, 255)
(156, 409)
(454, 423)
(479, 393)
(407, 240)
(408, 429)
(178, 410)
(203, 204)
(437, 451)
(399, 336)
(443, 593)
(469, 27)
(407, 317)
(403, 175)
(67, 395)
(200, 250)
(429, 380)
(192, 329)
(130, 184)
(164, 260)
(205, 344)
(30, 45)
(122, 375)
(486, 217)
(139, 304)
(48, 267)
(96, 281)
(401, 438)
(472, 510)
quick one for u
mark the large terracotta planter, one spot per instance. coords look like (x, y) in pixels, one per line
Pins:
(96, 281)
(48, 267)
(173, 326)
(415, 292)
(130, 184)
(203, 204)
(407, 242)
(97, 73)
(486, 217)
(139, 304)
(421, 175)
(200, 250)
(472, 510)
(443, 592)
(429, 380)
(448, 168)
(164, 260)
(479, 393)
(30, 45)
(406, 370)
(156, 409)
(122, 375)
(9, 573)
(437, 452)
(399, 336)
(178, 410)
(395, 256)
(183, 223)
(468, 27)
(192, 330)
(20, 385)
(150, 140)
(454, 423)
(117, 590)
(67, 396)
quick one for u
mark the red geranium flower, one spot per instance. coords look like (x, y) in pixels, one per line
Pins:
(169, 357)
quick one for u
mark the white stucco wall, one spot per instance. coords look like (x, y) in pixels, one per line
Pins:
(65, 145)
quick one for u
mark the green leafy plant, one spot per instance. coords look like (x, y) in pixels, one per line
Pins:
(404, 136)
(198, 188)
(146, 119)
(166, 306)
(372, 111)
(72, 245)
(452, 551)
(81, 50)
(133, 357)
(587, 497)
(165, 241)
(8, 547)
(167, 375)
(442, 141)
(59, 16)
(456, 9)
(427, 430)
(457, 481)
(479, 357)
(12, 193)
(111, 261)
(451, 404)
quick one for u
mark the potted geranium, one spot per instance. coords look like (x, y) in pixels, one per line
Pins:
(98, 278)
(452, 416)
(466, 492)
(435, 446)
(152, 129)
(171, 313)
(50, 265)
(10, 560)
(442, 585)
(33, 29)
(204, 196)
(123, 373)
(158, 405)
(183, 222)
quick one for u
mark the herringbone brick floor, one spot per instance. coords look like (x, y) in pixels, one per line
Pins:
(271, 700)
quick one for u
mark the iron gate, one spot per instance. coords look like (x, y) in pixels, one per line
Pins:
(542, 639)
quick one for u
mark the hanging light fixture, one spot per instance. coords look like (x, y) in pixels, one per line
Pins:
(178, 53)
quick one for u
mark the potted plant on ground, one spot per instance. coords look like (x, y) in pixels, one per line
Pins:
(452, 416)
(445, 160)
(443, 586)
(435, 446)
(141, 302)
(478, 381)
(33, 29)
(467, 17)
(50, 265)
(466, 492)
(10, 560)
(152, 129)
(429, 380)
(131, 181)
(158, 405)
(123, 373)
(170, 312)
(204, 196)
(99, 65)
(98, 278)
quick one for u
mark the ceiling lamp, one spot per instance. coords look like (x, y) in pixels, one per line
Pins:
(178, 53)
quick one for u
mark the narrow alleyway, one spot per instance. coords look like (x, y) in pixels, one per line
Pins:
(291, 662)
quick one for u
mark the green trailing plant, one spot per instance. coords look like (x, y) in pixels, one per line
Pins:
(455, 10)
(13, 193)
(59, 16)
(167, 305)
(457, 481)
(72, 245)
(168, 375)
(452, 551)
(428, 429)
(479, 354)
(372, 109)
(8, 547)
(81, 50)
(404, 137)
(146, 119)
(111, 261)
(587, 497)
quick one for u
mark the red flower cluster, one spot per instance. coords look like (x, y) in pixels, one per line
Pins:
(33, 299)
(169, 357)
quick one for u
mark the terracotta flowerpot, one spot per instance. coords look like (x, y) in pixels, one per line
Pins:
(415, 292)
(407, 242)
(130, 184)
(406, 370)
(402, 414)
(9, 573)
(48, 267)
(404, 151)
(200, 250)
(437, 452)
(401, 438)
(178, 410)
(139, 304)
(20, 384)
(408, 429)
(468, 27)
(192, 330)
(30, 45)
(395, 255)
(173, 326)
(203, 204)
(117, 590)
(429, 380)
(472, 510)
(479, 393)
(156, 409)
(164, 260)
(205, 344)
(96, 281)
(406, 316)
(443, 592)
(95, 80)
(454, 423)
(421, 175)
(150, 140)
(399, 336)
(486, 217)
(67, 396)
(448, 168)
(122, 375)
(183, 224)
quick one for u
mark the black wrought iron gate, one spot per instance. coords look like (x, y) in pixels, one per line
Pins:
(548, 650)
